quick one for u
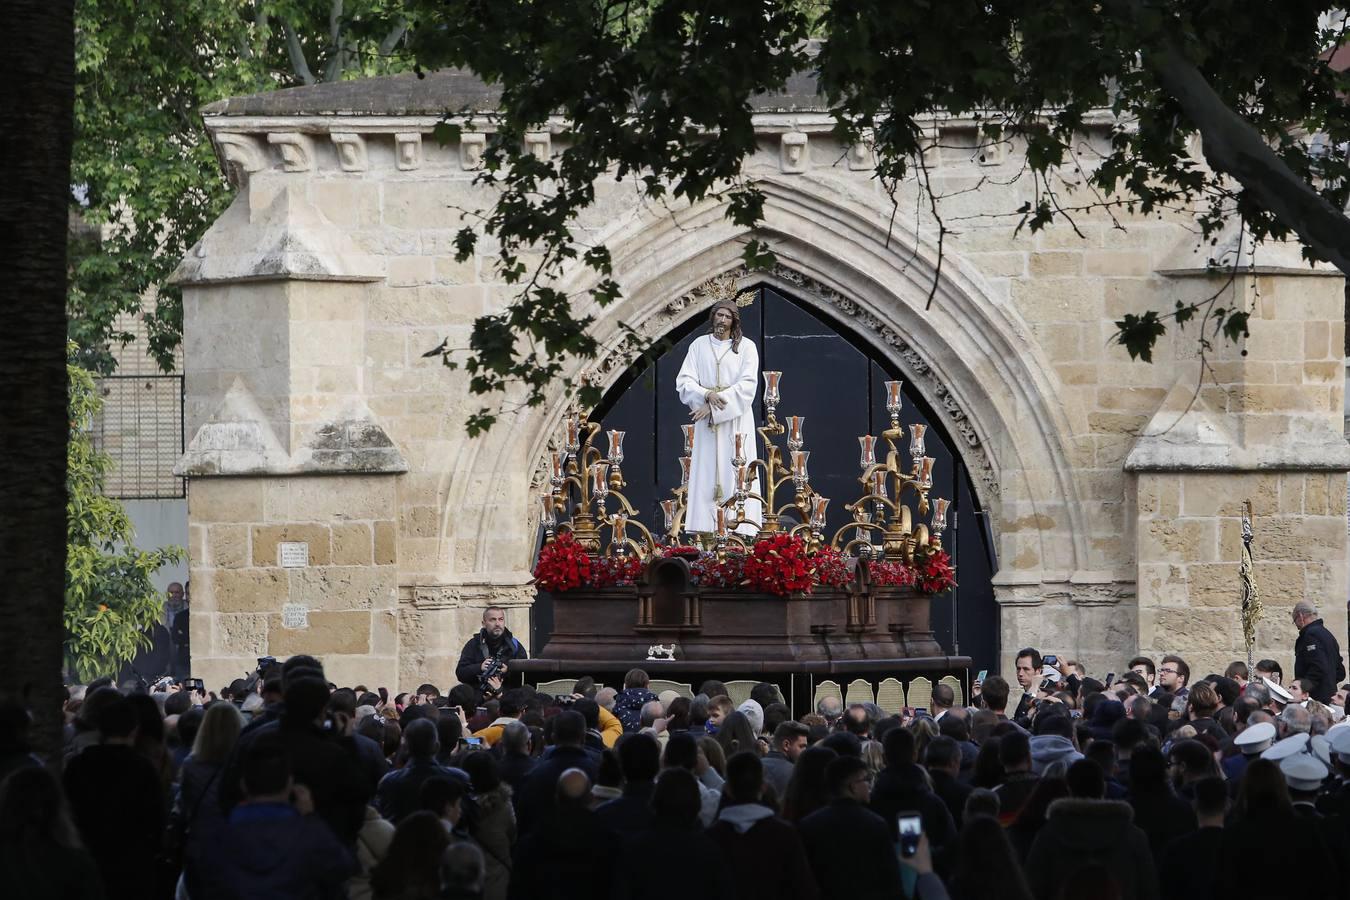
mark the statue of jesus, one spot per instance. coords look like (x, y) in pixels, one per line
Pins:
(718, 382)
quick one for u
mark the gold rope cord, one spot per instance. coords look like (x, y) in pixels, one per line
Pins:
(1251, 600)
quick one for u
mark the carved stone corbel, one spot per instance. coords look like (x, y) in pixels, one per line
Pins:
(471, 147)
(297, 150)
(408, 150)
(243, 156)
(351, 151)
(792, 152)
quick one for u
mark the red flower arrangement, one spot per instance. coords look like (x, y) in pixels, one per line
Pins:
(891, 573)
(935, 573)
(730, 572)
(563, 565)
(615, 571)
(779, 565)
(831, 568)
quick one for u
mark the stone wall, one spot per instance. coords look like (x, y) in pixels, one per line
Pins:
(309, 305)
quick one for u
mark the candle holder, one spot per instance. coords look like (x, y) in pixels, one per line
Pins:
(867, 446)
(894, 401)
(771, 380)
(795, 424)
(616, 480)
(587, 479)
(938, 523)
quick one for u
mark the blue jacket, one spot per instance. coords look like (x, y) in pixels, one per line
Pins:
(270, 852)
(628, 706)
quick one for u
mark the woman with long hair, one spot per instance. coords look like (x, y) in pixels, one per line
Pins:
(737, 735)
(806, 790)
(1033, 814)
(197, 810)
(988, 769)
(986, 865)
(924, 730)
(716, 757)
(412, 868)
(40, 850)
(494, 828)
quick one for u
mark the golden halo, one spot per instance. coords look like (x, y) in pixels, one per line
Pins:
(724, 287)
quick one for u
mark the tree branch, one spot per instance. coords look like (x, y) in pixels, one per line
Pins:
(297, 55)
(1232, 146)
(395, 35)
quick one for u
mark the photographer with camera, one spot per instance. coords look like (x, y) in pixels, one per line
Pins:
(485, 658)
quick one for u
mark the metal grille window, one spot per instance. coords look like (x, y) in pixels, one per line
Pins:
(141, 428)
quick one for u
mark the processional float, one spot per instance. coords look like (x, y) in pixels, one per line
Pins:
(791, 598)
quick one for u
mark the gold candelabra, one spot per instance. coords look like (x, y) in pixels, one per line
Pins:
(582, 471)
(580, 468)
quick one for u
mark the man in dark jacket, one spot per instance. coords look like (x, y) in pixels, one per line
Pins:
(846, 832)
(323, 761)
(901, 786)
(398, 793)
(631, 814)
(537, 791)
(746, 829)
(943, 761)
(567, 855)
(494, 638)
(273, 845)
(1317, 656)
(118, 804)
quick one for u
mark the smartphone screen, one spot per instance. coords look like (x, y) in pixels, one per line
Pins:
(1051, 660)
(984, 673)
(1110, 678)
(910, 827)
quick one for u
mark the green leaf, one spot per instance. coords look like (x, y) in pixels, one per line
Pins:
(1139, 333)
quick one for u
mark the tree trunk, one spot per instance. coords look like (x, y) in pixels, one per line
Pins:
(37, 67)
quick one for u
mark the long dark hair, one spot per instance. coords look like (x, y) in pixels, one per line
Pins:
(806, 788)
(987, 865)
(735, 311)
(412, 867)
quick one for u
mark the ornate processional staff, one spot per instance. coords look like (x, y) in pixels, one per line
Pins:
(1251, 601)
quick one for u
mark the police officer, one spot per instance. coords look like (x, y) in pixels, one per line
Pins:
(1317, 656)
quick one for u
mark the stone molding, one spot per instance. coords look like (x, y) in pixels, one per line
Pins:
(1184, 435)
(1021, 590)
(508, 592)
(288, 240)
(239, 440)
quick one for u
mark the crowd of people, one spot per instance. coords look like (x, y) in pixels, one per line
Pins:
(1146, 784)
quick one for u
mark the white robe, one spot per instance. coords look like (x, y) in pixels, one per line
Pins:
(713, 443)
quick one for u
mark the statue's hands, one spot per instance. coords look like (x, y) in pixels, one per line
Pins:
(717, 400)
(701, 413)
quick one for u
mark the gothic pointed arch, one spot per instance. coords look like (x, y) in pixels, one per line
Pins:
(968, 348)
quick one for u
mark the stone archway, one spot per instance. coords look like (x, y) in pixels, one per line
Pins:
(971, 353)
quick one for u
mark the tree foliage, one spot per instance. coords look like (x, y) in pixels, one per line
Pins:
(110, 601)
(145, 180)
(659, 92)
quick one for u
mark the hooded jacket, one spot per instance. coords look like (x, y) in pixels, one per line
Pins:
(1049, 748)
(751, 831)
(1079, 833)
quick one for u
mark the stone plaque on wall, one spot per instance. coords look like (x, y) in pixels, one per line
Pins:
(294, 615)
(293, 554)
